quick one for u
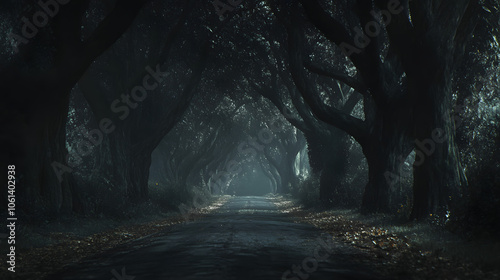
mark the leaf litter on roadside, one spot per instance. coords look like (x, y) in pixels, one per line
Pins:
(37, 263)
(392, 255)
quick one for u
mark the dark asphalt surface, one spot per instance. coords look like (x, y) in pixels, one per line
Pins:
(247, 238)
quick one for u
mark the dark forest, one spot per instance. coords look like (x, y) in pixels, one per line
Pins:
(243, 139)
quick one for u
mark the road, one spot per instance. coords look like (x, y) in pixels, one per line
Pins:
(247, 238)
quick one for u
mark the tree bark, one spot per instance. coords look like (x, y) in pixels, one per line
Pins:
(332, 189)
(438, 175)
(137, 190)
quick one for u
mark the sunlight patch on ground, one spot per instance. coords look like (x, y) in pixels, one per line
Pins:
(283, 204)
(254, 211)
(221, 200)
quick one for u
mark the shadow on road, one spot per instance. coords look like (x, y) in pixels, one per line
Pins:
(247, 238)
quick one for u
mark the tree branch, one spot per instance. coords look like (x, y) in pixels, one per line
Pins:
(354, 83)
(353, 126)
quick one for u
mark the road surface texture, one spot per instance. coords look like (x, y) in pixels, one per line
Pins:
(247, 238)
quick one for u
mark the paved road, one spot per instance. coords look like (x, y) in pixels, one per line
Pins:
(247, 238)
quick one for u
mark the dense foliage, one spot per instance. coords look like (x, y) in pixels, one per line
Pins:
(386, 106)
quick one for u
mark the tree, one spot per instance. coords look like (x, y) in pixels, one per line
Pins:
(37, 96)
(395, 110)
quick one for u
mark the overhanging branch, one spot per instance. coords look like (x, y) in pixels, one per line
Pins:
(346, 79)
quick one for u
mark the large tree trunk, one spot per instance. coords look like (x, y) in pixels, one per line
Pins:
(430, 56)
(41, 142)
(129, 168)
(387, 143)
(285, 181)
(377, 190)
(437, 172)
(331, 155)
(139, 174)
(328, 158)
(46, 145)
(314, 152)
